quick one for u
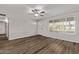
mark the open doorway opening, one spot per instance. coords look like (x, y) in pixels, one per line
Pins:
(4, 27)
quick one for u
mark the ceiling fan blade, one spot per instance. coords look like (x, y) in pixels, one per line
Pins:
(3, 14)
(42, 12)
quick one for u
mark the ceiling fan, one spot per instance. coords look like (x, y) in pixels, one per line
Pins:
(37, 11)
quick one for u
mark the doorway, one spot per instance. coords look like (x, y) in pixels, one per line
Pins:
(4, 28)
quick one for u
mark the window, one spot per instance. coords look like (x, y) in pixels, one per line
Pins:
(62, 25)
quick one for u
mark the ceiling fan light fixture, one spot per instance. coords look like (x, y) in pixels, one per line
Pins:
(36, 15)
(37, 11)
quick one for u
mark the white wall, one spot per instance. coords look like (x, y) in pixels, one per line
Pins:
(43, 28)
(20, 23)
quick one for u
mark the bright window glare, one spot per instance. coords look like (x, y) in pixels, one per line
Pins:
(63, 26)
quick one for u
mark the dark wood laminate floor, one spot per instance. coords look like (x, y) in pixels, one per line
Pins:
(38, 45)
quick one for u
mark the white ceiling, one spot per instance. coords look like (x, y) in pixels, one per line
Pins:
(52, 9)
(56, 9)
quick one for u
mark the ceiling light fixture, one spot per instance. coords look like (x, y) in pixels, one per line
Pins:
(36, 15)
(37, 11)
